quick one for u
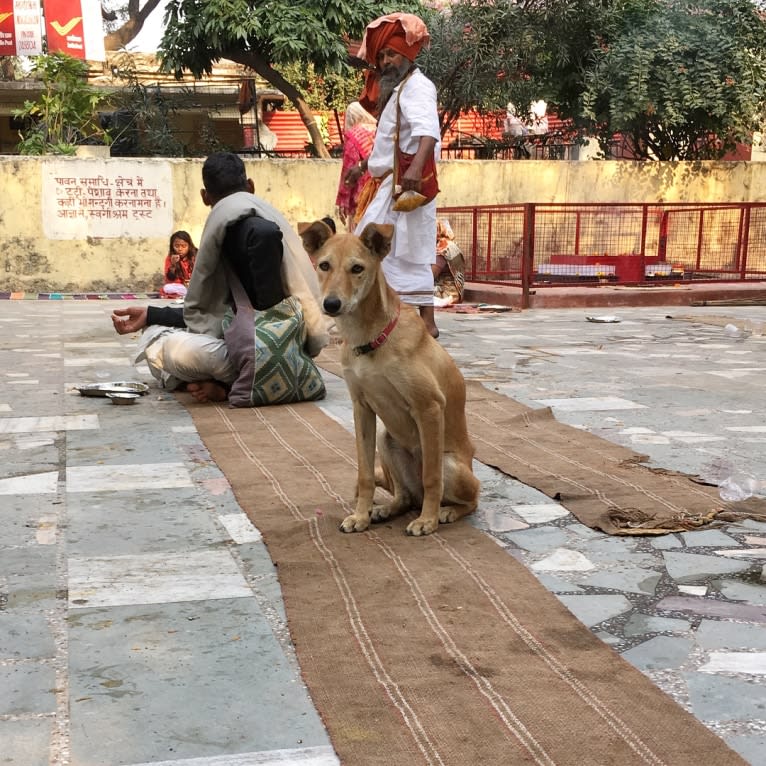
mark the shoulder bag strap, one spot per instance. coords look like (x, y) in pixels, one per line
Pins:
(396, 137)
(237, 290)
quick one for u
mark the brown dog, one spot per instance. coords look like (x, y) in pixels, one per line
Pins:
(396, 371)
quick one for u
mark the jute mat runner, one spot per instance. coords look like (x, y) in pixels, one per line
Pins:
(603, 484)
(437, 650)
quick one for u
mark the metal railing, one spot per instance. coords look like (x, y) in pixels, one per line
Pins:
(545, 245)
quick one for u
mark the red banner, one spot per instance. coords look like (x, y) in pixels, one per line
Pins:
(75, 27)
(64, 27)
(7, 29)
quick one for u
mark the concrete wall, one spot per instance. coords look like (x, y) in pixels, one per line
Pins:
(95, 225)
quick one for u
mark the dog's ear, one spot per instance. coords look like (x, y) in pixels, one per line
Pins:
(377, 238)
(314, 235)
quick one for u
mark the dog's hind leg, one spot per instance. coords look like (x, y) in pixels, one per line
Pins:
(461, 490)
(400, 471)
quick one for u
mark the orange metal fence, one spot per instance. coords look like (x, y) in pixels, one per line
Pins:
(544, 245)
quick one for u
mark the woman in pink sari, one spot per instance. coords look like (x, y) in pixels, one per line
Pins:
(358, 136)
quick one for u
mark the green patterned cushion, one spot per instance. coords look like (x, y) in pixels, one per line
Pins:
(268, 348)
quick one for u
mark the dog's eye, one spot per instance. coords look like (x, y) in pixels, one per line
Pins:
(323, 266)
(357, 268)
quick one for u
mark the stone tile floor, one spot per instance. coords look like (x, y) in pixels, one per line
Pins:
(140, 616)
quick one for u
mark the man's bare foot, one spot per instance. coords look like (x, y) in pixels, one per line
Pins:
(208, 391)
(428, 316)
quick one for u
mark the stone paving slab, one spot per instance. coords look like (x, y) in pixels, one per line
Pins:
(110, 518)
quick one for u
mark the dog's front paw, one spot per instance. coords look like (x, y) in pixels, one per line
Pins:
(421, 527)
(354, 523)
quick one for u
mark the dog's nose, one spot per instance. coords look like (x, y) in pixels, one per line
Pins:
(331, 305)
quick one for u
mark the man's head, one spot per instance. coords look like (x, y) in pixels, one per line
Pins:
(405, 33)
(393, 68)
(223, 174)
(390, 44)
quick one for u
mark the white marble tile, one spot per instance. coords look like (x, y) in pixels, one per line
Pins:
(45, 534)
(240, 528)
(306, 756)
(94, 344)
(32, 484)
(576, 351)
(693, 590)
(637, 430)
(114, 478)
(563, 560)
(736, 374)
(100, 361)
(735, 662)
(29, 441)
(649, 439)
(744, 553)
(690, 437)
(52, 423)
(500, 520)
(587, 403)
(154, 578)
(540, 512)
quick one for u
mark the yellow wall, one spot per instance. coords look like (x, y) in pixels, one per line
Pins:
(305, 190)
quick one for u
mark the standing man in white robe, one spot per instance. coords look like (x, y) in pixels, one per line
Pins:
(390, 44)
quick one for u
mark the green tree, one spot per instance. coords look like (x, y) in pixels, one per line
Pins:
(266, 36)
(678, 78)
(66, 114)
(331, 91)
(683, 81)
(141, 117)
(483, 55)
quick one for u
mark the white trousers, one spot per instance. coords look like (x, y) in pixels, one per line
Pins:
(175, 356)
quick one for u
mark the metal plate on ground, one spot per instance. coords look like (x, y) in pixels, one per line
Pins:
(117, 387)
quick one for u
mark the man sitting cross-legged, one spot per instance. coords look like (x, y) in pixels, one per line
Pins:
(186, 346)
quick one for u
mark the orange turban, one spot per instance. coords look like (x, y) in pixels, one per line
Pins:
(403, 32)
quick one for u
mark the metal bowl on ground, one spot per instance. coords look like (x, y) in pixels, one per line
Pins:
(123, 398)
(115, 387)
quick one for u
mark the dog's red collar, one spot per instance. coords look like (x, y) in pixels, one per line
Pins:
(381, 339)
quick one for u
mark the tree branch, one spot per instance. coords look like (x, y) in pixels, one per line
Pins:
(258, 64)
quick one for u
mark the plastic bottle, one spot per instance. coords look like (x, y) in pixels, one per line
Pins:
(735, 331)
(739, 486)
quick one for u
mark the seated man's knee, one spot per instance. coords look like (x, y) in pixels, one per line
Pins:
(191, 357)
